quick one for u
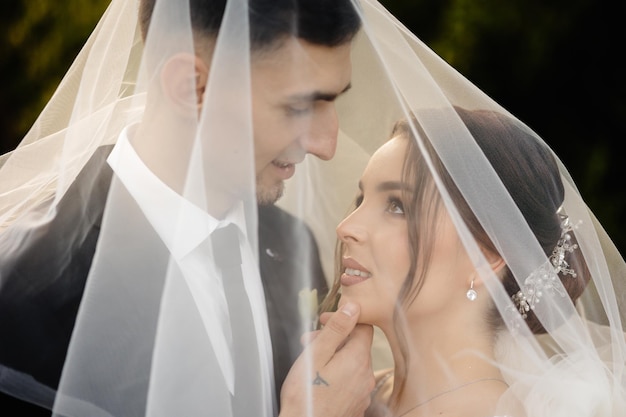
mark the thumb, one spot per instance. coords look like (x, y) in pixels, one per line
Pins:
(336, 330)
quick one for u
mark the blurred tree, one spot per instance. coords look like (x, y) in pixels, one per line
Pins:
(555, 66)
(39, 40)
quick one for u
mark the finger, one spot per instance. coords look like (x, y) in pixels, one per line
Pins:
(363, 334)
(337, 329)
(360, 340)
(308, 337)
(324, 317)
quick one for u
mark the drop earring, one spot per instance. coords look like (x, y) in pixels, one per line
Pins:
(471, 294)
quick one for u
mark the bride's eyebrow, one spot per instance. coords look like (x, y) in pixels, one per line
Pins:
(389, 186)
(392, 186)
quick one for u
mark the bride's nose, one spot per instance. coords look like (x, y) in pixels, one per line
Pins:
(351, 229)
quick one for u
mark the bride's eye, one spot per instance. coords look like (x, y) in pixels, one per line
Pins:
(395, 206)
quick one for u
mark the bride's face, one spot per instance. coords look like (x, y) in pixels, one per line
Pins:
(376, 257)
(377, 254)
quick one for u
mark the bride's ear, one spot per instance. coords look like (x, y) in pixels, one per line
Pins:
(496, 262)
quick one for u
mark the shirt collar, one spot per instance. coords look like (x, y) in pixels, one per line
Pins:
(181, 225)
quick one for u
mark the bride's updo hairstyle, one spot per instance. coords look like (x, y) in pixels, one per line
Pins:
(530, 174)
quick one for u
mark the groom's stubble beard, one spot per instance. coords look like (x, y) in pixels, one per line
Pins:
(269, 194)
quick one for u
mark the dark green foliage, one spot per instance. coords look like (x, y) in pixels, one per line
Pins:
(38, 42)
(556, 66)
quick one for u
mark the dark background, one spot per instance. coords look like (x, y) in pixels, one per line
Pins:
(555, 64)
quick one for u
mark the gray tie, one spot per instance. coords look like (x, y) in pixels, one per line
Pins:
(247, 399)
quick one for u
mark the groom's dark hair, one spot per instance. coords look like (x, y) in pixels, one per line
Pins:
(321, 22)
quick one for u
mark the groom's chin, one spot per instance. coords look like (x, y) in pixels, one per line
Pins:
(267, 195)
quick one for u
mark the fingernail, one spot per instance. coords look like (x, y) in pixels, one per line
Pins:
(349, 309)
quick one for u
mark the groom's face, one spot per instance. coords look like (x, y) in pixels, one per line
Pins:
(294, 88)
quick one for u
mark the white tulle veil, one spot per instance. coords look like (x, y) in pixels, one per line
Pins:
(140, 343)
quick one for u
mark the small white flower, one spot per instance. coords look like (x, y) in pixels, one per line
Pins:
(308, 307)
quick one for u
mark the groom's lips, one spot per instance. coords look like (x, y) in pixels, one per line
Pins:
(284, 170)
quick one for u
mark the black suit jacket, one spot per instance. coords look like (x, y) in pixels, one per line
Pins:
(288, 252)
(42, 289)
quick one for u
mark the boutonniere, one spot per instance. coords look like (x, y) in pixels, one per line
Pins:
(308, 307)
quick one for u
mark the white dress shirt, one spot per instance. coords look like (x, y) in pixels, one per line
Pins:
(185, 230)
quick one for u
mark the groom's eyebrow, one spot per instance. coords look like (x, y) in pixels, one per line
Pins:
(318, 95)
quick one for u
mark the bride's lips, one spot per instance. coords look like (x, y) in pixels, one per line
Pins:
(353, 272)
(285, 170)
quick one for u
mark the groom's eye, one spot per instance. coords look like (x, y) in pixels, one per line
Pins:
(301, 110)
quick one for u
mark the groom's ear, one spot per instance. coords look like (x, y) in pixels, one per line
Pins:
(183, 80)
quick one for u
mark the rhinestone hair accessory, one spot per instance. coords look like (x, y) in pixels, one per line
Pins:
(546, 278)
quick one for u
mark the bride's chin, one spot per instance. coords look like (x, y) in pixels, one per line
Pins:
(366, 315)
